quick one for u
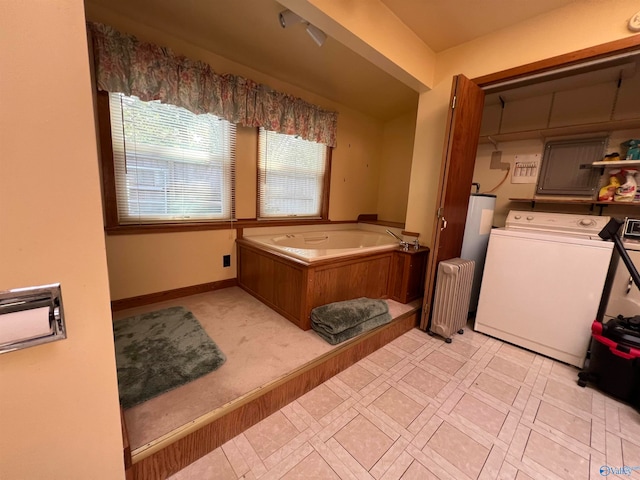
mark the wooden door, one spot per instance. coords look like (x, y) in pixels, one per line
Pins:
(456, 175)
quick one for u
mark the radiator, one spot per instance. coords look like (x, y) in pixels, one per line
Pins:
(451, 300)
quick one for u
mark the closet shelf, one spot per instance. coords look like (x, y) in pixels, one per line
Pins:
(543, 133)
(574, 201)
(621, 163)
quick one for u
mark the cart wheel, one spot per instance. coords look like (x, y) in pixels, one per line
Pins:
(461, 331)
(583, 375)
(430, 333)
(447, 340)
(582, 383)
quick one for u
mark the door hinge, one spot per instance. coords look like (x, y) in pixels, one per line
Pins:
(453, 102)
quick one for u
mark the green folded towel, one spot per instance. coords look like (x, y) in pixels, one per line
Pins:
(335, 338)
(339, 316)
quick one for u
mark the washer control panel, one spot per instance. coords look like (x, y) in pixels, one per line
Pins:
(565, 223)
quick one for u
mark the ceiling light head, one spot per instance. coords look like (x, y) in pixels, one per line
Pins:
(316, 34)
(288, 18)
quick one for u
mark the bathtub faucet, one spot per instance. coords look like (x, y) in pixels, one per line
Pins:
(403, 244)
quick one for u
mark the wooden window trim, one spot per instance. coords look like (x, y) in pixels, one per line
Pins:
(106, 162)
(112, 225)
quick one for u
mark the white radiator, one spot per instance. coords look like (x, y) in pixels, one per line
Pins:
(453, 293)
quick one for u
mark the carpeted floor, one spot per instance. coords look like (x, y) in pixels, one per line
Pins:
(260, 346)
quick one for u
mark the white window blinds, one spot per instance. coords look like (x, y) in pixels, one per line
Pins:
(170, 164)
(290, 176)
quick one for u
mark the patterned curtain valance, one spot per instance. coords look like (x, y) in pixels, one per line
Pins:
(150, 72)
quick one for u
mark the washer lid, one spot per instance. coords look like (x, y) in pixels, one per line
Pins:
(564, 223)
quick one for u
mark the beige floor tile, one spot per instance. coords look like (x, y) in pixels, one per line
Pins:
(418, 472)
(553, 456)
(256, 465)
(510, 369)
(519, 442)
(496, 388)
(424, 382)
(507, 472)
(509, 427)
(399, 467)
(443, 362)
(389, 458)
(492, 466)
(572, 395)
(406, 343)
(629, 422)
(384, 358)
(320, 401)
(271, 434)
(565, 422)
(614, 449)
(522, 476)
(459, 449)
(234, 456)
(313, 467)
(356, 377)
(329, 456)
(460, 347)
(398, 406)
(598, 436)
(567, 372)
(630, 454)
(516, 353)
(364, 441)
(612, 416)
(214, 466)
(481, 414)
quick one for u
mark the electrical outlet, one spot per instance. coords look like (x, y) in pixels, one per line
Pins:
(226, 260)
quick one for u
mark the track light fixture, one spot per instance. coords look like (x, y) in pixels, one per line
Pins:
(288, 18)
(316, 34)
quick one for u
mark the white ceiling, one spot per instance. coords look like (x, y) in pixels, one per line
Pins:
(248, 32)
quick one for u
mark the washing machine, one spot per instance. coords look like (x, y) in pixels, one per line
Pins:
(543, 282)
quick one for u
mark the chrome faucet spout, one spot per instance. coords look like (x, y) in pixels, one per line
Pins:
(394, 235)
(403, 244)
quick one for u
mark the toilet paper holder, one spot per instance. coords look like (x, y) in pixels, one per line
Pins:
(31, 316)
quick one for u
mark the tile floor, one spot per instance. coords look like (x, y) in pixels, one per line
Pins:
(419, 408)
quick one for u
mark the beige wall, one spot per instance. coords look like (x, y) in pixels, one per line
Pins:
(134, 266)
(395, 171)
(59, 412)
(576, 26)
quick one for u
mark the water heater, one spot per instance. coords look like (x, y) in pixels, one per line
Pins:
(476, 238)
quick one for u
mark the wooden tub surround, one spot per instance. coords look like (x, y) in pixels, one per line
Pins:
(293, 287)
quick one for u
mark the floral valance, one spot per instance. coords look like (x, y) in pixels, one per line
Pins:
(150, 72)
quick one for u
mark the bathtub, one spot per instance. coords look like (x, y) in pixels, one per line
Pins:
(296, 270)
(313, 246)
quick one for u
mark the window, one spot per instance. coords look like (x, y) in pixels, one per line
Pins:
(170, 165)
(292, 177)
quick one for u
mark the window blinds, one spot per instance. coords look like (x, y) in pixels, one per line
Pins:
(170, 164)
(290, 176)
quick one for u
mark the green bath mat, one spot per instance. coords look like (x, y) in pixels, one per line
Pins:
(159, 351)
